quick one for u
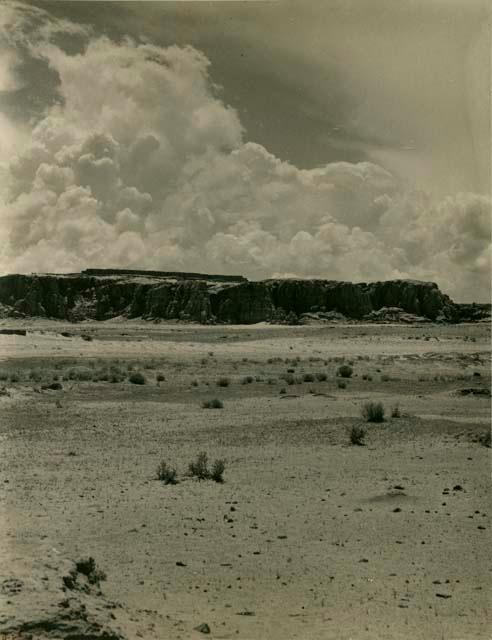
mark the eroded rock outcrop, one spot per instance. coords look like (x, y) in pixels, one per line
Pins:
(55, 598)
(84, 296)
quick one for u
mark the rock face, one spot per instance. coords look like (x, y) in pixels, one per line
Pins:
(232, 299)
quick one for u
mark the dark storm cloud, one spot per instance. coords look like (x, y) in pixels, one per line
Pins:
(341, 140)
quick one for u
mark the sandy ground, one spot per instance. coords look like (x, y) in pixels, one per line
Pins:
(309, 537)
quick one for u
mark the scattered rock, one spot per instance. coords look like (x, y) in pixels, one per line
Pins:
(203, 628)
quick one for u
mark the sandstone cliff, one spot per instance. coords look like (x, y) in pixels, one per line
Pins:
(213, 298)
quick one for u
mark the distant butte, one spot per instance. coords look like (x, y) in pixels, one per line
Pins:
(102, 294)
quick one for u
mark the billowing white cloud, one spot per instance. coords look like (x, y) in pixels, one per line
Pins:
(141, 164)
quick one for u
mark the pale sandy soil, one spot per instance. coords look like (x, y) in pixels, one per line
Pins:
(308, 537)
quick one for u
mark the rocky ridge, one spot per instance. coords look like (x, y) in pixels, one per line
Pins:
(102, 295)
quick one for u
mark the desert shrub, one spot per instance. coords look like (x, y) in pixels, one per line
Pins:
(247, 380)
(166, 474)
(199, 468)
(485, 439)
(289, 378)
(137, 378)
(160, 377)
(291, 370)
(194, 383)
(385, 378)
(373, 412)
(217, 472)
(4, 375)
(83, 374)
(395, 412)
(345, 371)
(223, 382)
(86, 337)
(308, 377)
(101, 375)
(321, 376)
(357, 435)
(35, 375)
(87, 567)
(283, 390)
(53, 386)
(213, 404)
(341, 384)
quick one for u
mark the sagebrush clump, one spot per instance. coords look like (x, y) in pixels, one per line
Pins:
(373, 412)
(345, 371)
(199, 468)
(357, 435)
(137, 378)
(166, 474)
(213, 404)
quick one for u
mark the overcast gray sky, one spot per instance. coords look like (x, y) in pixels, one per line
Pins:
(341, 139)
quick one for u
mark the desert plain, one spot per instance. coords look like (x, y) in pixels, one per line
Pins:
(308, 536)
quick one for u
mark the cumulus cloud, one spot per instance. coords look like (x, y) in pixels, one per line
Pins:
(140, 164)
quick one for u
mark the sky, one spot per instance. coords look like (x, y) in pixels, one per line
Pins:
(342, 139)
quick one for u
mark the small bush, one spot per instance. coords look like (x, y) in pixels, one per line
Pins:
(53, 386)
(213, 404)
(223, 382)
(247, 380)
(137, 378)
(217, 473)
(283, 390)
(385, 378)
(88, 568)
(14, 377)
(341, 384)
(82, 374)
(373, 412)
(357, 435)
(199, 468)
(4, 375)
(321, 376)
(289, 378)
(165, 474)
(395, 412)
(160, 377)
(308, 377)
(485, 439)
(345, 371)
(194, 383)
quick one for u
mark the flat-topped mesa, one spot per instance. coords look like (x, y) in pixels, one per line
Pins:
(181, 275)
(102, 294)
